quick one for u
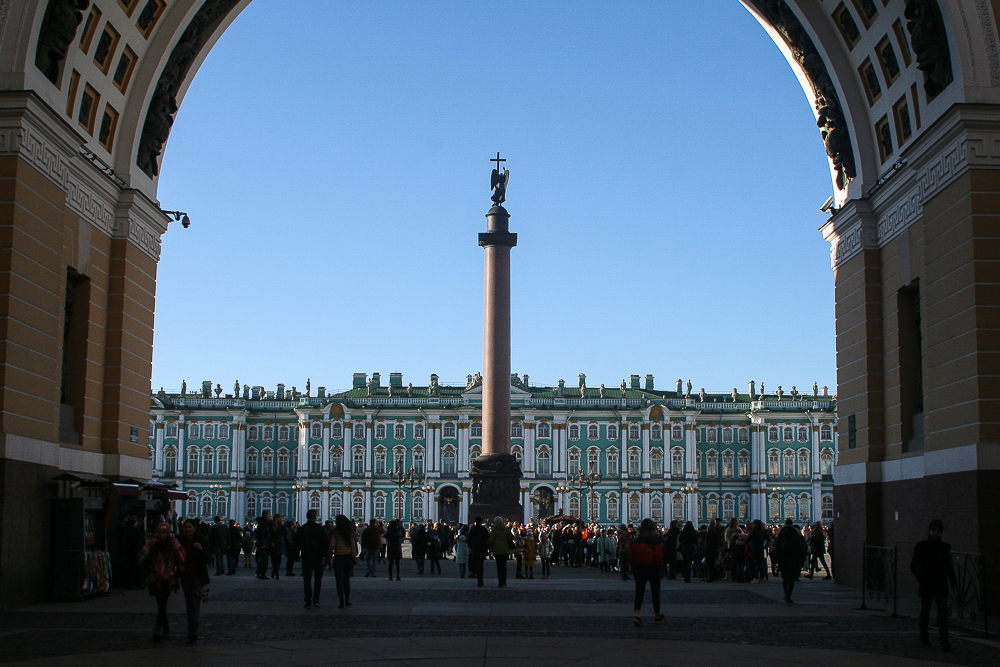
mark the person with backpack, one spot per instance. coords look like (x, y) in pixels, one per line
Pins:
(435, 547)
(645, 558)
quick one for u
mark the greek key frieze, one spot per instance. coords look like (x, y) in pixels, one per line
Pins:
(909, 208)
(852, 242)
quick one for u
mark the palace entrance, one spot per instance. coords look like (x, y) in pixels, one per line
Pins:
(449, 504)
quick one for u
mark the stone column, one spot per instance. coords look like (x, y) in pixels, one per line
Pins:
(817, 477)
(529, 448)
(325, 467)
(181, 449)
(158, 446)
(646, 468)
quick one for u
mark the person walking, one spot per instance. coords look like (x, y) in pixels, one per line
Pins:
(343, 548)
(710, 553)
(501, 543)
(757, 542)
(263, 542)
(371, 543)
(163, 555)
(817, 551)
(462, 551)
(435, 547)
(645, 558)
(790, 551)
(248, 544)
(218, 537)
(687, 543)
(624, 541)
(235, 545)
(312, 543)
(194, 574)
(279, 535)
(932, 567)
(545, 551)
(419, 544)
(479, 544)
(529, 553)
(670, 552)
(291, 551)
(394, 536)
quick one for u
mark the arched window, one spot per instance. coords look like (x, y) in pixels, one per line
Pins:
(315, 461)
(656, 508)
(772, 434)
(574, 431)
(713, 465)
(194, 432)
(267, 463)
(516, 430)
(268, 433)
(358, 466)
(594, 506)
(789, 433)
(283, 433)
(827, 508)
(544, 430)
(592, 432)
(676, 432)
(574, 462)
(192, 505)
(656, 463)
(252, 463)
(804, 463)
(336, 462)
(634, 433)
(634, 508)
(728, 508)
(774, 510)
(803, 434)
(805, 511)
(359, 430)
(448, 431)
(773, 463)
(613, 432)
(825, 432)
(223, 431)
(336, 504)
(789, 463)
(316, 430)
(223, 461)
(476, 430)
(379, 507)
(656, 432)
(283, 463)
(380, 431)
(192, 468)
(399, 431)
(711, 435)
(543, 463)
(252, 433)
(744, 435)
(336, 431)
(826, 462)
(612, 456)
(613, 515)
(677, 462)
(474, 453)
(358, 507)
(727, 464)
(251, 505)
(397, 506)
(208, 461)
(727, 435)
(380, 462)
(593, 460)
(170, 463)
(518, 454)
(314, 501)
(744, 509)
(790, 507)
(677, 504)
(399, 459)
(574, 506)
(222, 505)
(418, 431)
(206, 507)
(171, 430)
(418, 462)
(209, 432)
(449, 462)
(282, 505)
(418, 507)
(744, 461)
(634, 463)
(697, 464)
(713, 507)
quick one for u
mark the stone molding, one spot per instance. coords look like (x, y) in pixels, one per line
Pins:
(30, 450)
(967, 458)
(33, 132)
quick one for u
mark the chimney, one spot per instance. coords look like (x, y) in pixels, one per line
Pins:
(649, 382)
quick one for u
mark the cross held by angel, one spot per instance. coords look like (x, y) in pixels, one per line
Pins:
(498, 181)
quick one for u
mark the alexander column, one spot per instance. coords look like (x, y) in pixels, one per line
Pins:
(496, 474)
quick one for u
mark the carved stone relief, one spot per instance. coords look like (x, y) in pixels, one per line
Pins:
(58, 31)
(929, 41)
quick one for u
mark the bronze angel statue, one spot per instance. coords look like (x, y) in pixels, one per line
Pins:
(498, 183)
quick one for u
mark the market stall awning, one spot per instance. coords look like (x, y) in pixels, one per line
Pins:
(173, 494)
(81, 477)
(126, 489)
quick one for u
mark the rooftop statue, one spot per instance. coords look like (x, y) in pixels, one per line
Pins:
(498, 181)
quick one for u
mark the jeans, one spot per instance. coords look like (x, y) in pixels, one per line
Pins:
(393, 562)
(623, 564)
(501, 568)
(231, 562)
(419, 559)
(434, 555)
(261, 562)
(371, 560)
(275, 563)
(312, 577)
(162, 625)
(942, 617)
(220, 554)
(341, 568)
(192, 600)
(476, 564)
(546, 570)
(643, 574)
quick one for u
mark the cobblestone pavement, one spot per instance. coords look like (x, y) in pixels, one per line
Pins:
(584, 604)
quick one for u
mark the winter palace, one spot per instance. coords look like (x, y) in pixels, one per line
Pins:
(601, 454)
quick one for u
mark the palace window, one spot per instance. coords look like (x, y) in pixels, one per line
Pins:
(169, 463)
(594, 506)
(516, 430)
(634, 433)
(713, 464)
(222, 505)
(677, 506)
(336, 462)
(789, 433)
(677, 462)
(727, 464)
(773, 463)
(418, 430)
(612, 432)
(634, 463)
(727, 435)
(397, 506)
(418, 507)
(516, 451)
(336, 504)
(283, 463)
(208, 462)
(266, 502)
(252, 434)
(337, 431)
(574, 506)
(315, 461)
(790, 507)
(803, 434)
(316, 430)
(252, 463)
(314, 501)
(574, 461)
(268, 433)
(359, 430)
(656, 432)
(267, 464)
(209, 432)
(544, 430)
(379, 507)
(789, 457)
(194, 432)
(593, 461)
(613, 463)
(448, 430)
(613, 508)
(656, 508)
(804, 463)
(574, 431)
(744, 462)
(728, 508)
(449, 462)
(192, 461)
(380, 462)
(399, 431)
(698, 470)
(223, 461)
(744, 509)
(358, 467)
(476, 430)
(283, 433)
(418, 462)
(656, 463)
(171, 430)
(380, 431)
(592, 432)
(474, 453)
(676, 432)
(826, 462)
(358, 507)
(825, 432)
(827, 508)
(804, 510)
(282, 504)
(713, 507)
(206, 506)
(192, 505)
(772, 434)
(711, 435)
(744, 435)
(223, 431)
(634, 508)
(544, 463)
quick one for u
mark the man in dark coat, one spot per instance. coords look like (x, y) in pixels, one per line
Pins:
(713, 540)
(235, 545)
(264, 542)
(219, 539)
(312, 541)
(478, 540)
(933, 569)
(790, 550)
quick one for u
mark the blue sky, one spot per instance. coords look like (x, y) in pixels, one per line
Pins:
(666, 175)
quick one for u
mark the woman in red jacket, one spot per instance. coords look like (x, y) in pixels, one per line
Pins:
(645, 558)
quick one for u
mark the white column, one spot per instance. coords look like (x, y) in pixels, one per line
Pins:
(463, 447)
(324, 504)
(368, 505)
(346, 504)
(158, 445)
(623, 445)
(817, 477)
(529, 449)
(348, 454)
(758, 469)
(526, 501)
(645, 449)
(369, 434)
(463, 511)
(181, 449)
(326, 448)
(646, 508)
(302, 465)
(559, 436)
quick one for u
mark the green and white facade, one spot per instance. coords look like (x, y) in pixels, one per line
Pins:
(661, 454)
